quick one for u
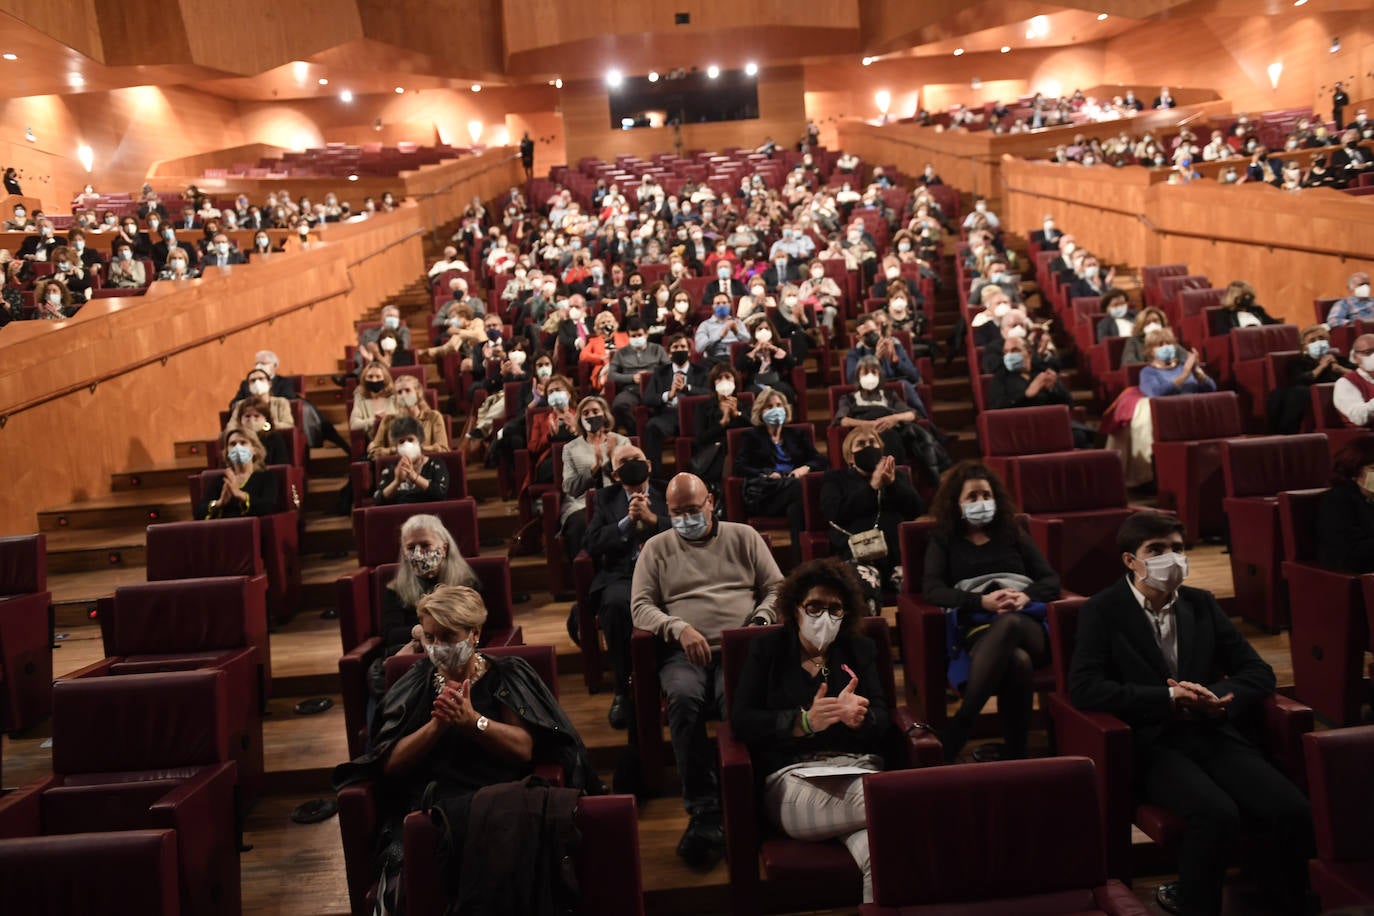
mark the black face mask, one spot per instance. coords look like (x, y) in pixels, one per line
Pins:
(866, 459)
(374, 385)
(680, 357)
(871, 339)
(633, 472)
(593, 424)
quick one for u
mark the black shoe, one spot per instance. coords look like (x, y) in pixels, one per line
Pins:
(986, 753)
(1166, 895)
(702, 841)
(619, 716)
(573, 626)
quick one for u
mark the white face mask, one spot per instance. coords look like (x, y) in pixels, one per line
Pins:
(409, 449)
(518, 357)
(764, 335)
(868, 381)
(258, 387)
(818, 273)
(1166, 572)
(893, 273)
(388, 344)
(1000, 310)
(1016, 330)
(1152, 327)
(820, 631)
(725, 387)
(1362, 291)
(980, 512)
(1367, 364)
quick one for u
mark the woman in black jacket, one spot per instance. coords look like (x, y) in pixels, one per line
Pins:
(764, 364)
(811, 695)
(772, 460)
(988, 572)
(248, 488)
(868, 493)
(1241, 309)
(720, 412)
(1317, 364)
(1023, 380)
(1345, 516)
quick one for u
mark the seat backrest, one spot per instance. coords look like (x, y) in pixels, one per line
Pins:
(23, 564)
(1338, 766)
(123, 873)
(454, 461)
(1026, 430)
(179, 615)
(377, 529)
(1265, 465)
(1068, 482)
(981, 807)
(1324, 412)
(1256, 343)
(912, 538)
(1196, 301)
(1170, 288)
(139, 722)
(1151, 274)
(608, 870)
(1188, 417)
(734, 652)
(196, 550)
(1298, 518)
(289, 480)
(1063, 626)
(1087, 308)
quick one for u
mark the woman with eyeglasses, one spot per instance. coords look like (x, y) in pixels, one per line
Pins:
(990, 576)
(810, 696)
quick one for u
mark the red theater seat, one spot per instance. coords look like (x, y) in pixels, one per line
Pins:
(1188, 431)
(377, 529)
(365, 476)
(1152, 274)
(126, 873)
(1328, 421)
(25, 637)
(1254, 472)
(797, 874)
(1250, 348)
(1021, 836)
(1338, 766)
(1276, 728)
(1008, 434)
(1328, 632)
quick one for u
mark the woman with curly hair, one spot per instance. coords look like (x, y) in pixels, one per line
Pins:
(994, 581)
(810, 696)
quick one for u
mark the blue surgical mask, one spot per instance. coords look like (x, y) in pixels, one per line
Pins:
(723, 273)
(240, 455)
(392, 322)
(722, 311)
(979, 513)
(1165, 353)
(1117, 311)
(775, 416)
(1318, 348)
(1014, 360)
(691, 527)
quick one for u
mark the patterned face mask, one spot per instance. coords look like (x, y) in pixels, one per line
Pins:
(425, 562)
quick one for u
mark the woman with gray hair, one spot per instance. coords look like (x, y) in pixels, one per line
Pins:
(429, 558)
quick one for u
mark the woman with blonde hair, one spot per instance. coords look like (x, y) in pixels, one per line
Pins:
(587, 466)
(247, 488)
(1241, 309)
(372, 398)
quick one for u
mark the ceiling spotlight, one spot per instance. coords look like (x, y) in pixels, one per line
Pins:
(866, 61)
(1102, 17)
(399, 90)
(653, 76)
(958, 52)
(8, 56)
(1299, 2)
(1039, 27)
(346, 96)
(324, 82)
(1335, 45)
(1006, 49)
(77, 80)
(712, 72)
(558, 83)
(352, 177)
(751, 69)
(476, 87)
(614, 78)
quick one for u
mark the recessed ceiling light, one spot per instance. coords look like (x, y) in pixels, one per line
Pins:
(653, 76)
(958, 52)
(399, 90)
(866, 61)
(751, 69)
(76, 79)
(1299, 2)
(476, 87)
(352, 177)
(1101, 17)
(11, 56)
(324, 82)
(1006, 49)
(346, 95)
(614, 78)
(712, 72)
(558, 83)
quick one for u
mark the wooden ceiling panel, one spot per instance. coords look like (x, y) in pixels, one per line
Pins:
(251, 36)
(463, 34)
(74, 23)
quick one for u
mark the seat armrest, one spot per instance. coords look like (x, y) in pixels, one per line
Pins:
(20, 809)
(353, 595)
(922, 628)
(648, 706)
(360, 475)
(202, 812)
(922, 748)
(1106, 741)
(424, 888)
(1116, 899)
(741, 809)
(1285, 722)
(353, 686)
(358, 828)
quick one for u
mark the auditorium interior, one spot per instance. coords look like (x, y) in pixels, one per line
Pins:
(272, 271)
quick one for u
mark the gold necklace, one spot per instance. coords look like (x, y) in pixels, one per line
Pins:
(479, 668)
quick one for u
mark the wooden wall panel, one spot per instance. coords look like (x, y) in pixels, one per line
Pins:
(587, 117)
(468, 32)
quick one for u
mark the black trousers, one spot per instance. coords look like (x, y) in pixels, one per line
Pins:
(1220, 784)
(613, 614)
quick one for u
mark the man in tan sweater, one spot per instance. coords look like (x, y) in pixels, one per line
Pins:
(689, 584)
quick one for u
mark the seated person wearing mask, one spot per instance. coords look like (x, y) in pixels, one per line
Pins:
(1024, 380)
(126, 272)
(724, 283)
(1345, 517)
(629, 366)
(865, 494)
(1090, 282)
(1167, 660)
(1354, 392)
(773, 459)
(276, 409)
(1316, 364)
(409, 401)
(715, 335)
(703, 577)
(894, 363)
(625, 517)
(1241, 309)
(677, 377)
(247, 488)
(1146, 323)
(413, 478)
(1359, 305)
(603, 345)
(276, 447)
(279, 387)
(368, 347)
(765, 364)
(1118, 318)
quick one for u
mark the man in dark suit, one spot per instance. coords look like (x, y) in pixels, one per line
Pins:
(221, 253)
(1351, 159)
(782, 271)
(1165, 659)
(169, 241)
(1164, 99)
(622, 519)
(724, 283)
(267, 361)
(46, 240)
(1048, 236)
(669, 382)
(1339, 99)
(188, 220)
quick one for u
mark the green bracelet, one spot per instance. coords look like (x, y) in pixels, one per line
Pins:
(806, 724)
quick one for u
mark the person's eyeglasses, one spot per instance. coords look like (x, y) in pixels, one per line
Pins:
(817, 608)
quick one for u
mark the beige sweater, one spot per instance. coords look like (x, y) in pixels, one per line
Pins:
(712, 585)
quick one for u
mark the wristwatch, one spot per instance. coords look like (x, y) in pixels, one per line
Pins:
(482, 723)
